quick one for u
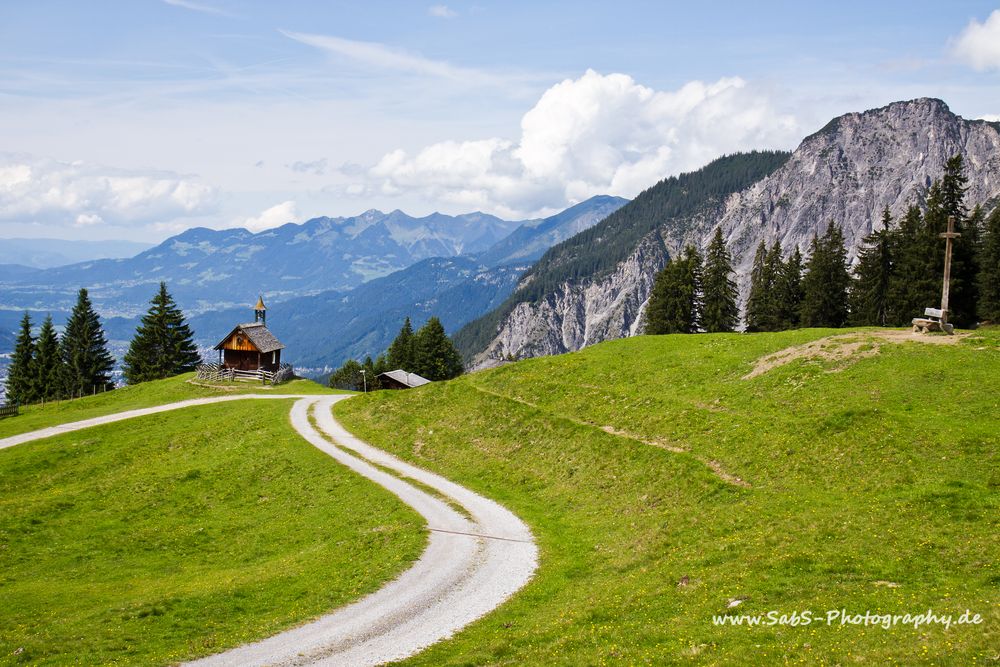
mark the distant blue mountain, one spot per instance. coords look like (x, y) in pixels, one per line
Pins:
(336, 287)
(207, 269)
(324, 330)
(529, 242)
(49, 253)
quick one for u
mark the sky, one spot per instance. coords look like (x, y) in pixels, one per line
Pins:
(142, 118)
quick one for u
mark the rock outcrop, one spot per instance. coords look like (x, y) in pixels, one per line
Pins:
(848, 172)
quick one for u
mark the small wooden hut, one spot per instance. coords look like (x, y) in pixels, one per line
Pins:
(400, 379)
(251, 346)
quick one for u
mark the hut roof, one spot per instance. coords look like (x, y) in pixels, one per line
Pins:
(256, 333)
(409, 379)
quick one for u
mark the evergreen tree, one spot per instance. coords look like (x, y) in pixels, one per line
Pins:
(434, 355)
(826, 281)
(757, 301)
(674, 301)
(719, 294)
(789, 291)
(869, 293)
(763, 308)
(48, 363)
(370, 381)
(163, 345)
(87, 365)
(348, 376)
(401, 354)
(21, 383)
(989, 270)
(947, 198)
(911, 287)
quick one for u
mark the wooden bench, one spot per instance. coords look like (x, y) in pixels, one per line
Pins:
(931, 321)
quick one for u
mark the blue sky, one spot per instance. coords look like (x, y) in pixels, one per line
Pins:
(139, 119)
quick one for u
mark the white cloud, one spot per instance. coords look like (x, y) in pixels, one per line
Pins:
(36, 189)
(88, 219)
(442, 11)
(979, 43)
(593, 135)
(275, 216)
(387, 57)
(991, 117)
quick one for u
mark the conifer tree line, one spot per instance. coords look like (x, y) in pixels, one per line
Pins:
(694, 293)
(428, 352)
(78, 363)
(898, 274)
(52, 367)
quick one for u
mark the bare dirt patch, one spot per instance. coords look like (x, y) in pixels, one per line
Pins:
(662, 444)
(727, 477)
(846, 348)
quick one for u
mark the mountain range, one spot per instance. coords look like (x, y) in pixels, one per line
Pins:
(327, 328)
(594, 287)
(344, 300)
(340, 287)
(24, 254)
(209, 269)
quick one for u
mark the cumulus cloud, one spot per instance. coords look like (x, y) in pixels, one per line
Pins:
(36, 189)
(442, 11)
(991, 117)
(598, 134)
(275, 216)
(979, 44)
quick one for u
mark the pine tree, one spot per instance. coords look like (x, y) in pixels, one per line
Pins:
(694, 288)
(789, 291)
(989, 270)
(826, 281)
(86, 363)
(21, 384)
(370, 381)
(763, 306)
(774, 267)
(675, 300)
(163, 345)
(48, 363)
(947, 198)
(869, 293)
(719, 294)
(400, 353)
(911, 287)
(760, 287)
(434, 355)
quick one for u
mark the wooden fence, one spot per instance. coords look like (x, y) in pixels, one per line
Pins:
(217, 373)
(9, 410)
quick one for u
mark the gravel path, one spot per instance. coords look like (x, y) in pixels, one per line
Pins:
(470, 566)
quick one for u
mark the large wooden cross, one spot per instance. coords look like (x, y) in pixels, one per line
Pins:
(949, 236)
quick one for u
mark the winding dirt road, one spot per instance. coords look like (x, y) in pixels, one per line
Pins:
(472, 563)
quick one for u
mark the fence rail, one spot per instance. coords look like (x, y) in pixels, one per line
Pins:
(217, 373)
(9, 410)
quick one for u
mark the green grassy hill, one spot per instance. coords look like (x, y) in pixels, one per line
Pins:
(166, 537)
(666, 487)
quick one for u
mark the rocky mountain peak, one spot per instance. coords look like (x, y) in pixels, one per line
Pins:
(849, 171)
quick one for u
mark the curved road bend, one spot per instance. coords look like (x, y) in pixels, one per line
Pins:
(469, 568)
